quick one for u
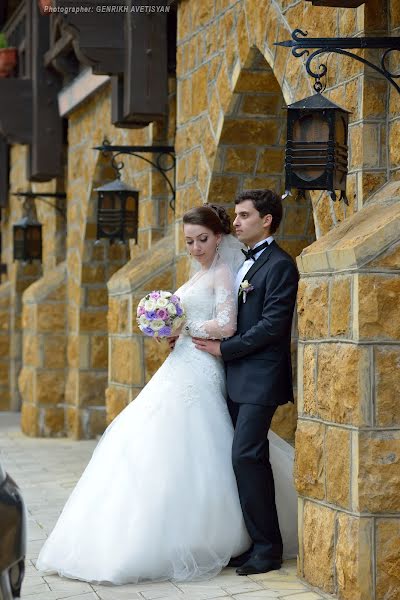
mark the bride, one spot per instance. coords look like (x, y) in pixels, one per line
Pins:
(159, 499)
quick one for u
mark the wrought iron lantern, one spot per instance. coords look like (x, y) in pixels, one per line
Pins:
(27, 236)
(316, 147)
(117, 211)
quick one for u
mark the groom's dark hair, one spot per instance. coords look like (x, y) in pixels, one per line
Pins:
(266, 202)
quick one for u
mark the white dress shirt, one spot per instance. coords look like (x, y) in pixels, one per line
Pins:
(246, 266)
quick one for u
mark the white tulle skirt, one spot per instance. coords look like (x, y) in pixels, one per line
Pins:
(159, 500)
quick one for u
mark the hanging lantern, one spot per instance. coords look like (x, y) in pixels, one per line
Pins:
(316, 146)
(27, 236)
(117, 211)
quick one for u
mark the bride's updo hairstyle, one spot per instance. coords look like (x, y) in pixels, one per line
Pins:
(212, 216)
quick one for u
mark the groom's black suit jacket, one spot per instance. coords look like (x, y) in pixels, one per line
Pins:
(257, 357)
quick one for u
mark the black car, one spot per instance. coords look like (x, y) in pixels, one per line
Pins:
(12, 538)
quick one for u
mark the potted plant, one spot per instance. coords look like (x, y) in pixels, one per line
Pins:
(8, 57)
(44, 6)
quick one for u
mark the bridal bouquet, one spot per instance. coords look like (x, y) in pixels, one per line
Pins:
(160, 314)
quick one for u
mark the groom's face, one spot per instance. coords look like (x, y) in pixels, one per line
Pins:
(249, 226)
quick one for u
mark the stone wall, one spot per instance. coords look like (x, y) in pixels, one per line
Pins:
(42, 377)
(348, 435)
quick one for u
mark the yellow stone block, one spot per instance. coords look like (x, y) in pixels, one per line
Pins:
(26, 384)
(53, 421)
(284, 422)
(337, 466)
(92, 386)
(4, 373)
(387, 381)
(295, 221)
(354, 557)
(312, 307)
(271, 161)
(340, 306)
(250, 132)
(257, 81)
(97, 297)
(154, 356)
(32, 350)
(318, 528)
(50, 387)
(309, 472)
(118, 314)
(240, 160)
(388, 559)
(378, 307)
(390, 259)
(73, 423)
(97, 423)
(117, 398)
(50, 317)
(29, 419)
(93, 273)
(344, 398)
(54, 351)
(94, 320)
(99, 352)
(223, 188)
(126, 361)
(28, 316)
(379, 471)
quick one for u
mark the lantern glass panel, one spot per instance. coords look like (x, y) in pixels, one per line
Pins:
(19, 243)
(311, 136)
(131, 217)
(110, 213)
(34, 241)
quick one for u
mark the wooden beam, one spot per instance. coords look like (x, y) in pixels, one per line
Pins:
(4, 172)
(146, 66)
(45, 153)
(16, 110)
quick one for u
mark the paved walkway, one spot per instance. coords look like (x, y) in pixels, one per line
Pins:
(47, 470)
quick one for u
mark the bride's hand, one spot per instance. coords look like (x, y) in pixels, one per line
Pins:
(172, 341)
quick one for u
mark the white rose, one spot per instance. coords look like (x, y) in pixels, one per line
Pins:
(149, 305)
(143, 320)
(162, 303)
(157, 324)
(245, 284)
(171, 309)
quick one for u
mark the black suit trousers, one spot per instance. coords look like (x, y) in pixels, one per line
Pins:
(255, 480)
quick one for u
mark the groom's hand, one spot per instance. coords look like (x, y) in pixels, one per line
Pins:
(211, 346)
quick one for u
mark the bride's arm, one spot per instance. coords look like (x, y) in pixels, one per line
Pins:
(223, 324)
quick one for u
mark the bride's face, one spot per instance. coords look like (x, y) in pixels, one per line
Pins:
(201, 243)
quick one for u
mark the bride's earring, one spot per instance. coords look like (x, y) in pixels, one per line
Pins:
(217, 249)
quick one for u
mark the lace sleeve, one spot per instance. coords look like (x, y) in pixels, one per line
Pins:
(223, 325)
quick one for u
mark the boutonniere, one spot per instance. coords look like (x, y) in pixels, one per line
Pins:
(244, 289)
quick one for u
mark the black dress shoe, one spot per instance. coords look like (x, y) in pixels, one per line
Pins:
(238, 561)
(259, 565)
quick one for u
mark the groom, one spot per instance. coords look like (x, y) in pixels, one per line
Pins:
(258, 369)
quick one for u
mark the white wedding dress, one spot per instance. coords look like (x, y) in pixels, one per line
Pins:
(159, 500)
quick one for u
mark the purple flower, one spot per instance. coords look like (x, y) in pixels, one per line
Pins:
(174, 299)
(179, 311)
(162, 314)
(164, 331)
(140, 311)
(148, 331)
(154, 295)
(151, 314)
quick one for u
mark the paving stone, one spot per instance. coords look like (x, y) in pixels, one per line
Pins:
(46, 479)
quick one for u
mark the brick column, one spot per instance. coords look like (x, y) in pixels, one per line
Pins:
(348, 436)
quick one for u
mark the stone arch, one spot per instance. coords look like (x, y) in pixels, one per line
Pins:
(250, 154)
